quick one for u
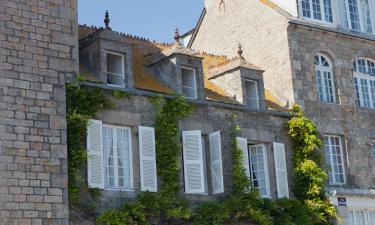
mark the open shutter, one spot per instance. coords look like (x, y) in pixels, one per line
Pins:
(280, 169)
(147, 158)
(193, 161)
(242, 144)
(95, 167)
(216, 163)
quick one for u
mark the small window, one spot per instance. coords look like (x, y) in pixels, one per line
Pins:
(252, 94)
(335, 159)
(259, 169)
(320, 10)
(115, 69)
(324, 78)
(189, 86)
(117, 157)
(364, 82)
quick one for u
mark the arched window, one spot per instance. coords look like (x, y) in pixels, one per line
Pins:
(364, 81)
(324, 77)
(317, 10)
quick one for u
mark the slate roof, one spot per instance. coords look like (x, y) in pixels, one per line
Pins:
(146, 52)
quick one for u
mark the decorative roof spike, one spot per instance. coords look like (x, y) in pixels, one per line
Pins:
(239, 51)
(177, 36)
(107, 20)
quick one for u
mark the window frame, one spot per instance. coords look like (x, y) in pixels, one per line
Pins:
(360, 15)
(366, 213)
(256, 90)
(114, 188)
(266, 173)
(334, 181)
(357, 79)
(115, 74)
(195, 83)
(329, 70)
(322, 12)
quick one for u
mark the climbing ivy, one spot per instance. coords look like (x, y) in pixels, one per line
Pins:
(310, 177)
(82, 103)
(242, 204)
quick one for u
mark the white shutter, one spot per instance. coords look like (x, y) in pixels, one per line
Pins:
(242, 144)
(280, 169)
(147, 157)
(216, 163)
(193, 161)
(95, 167)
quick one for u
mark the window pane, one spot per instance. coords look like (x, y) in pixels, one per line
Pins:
(354, 14)
(328, 16)
(333, 153)
(188, 83)
(366, 16)
(252, 94)
(365, 93)
(373, 149)
(109, 156)
(306, 8)
(123, 158)
(371, 217)
(316, 9)
(115, 69)
(258, 169)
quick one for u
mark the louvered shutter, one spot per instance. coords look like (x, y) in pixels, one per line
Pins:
(242, 144)
(216, 163)
(147, 157)
(95, 164)
(280, 169)
(193, 161)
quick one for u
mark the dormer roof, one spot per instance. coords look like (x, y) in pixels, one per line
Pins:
(146, 53)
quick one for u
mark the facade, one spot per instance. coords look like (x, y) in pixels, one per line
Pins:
(38, 52)
(322, 52)
(216, 86)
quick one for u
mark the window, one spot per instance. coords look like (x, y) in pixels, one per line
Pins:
(115, 69)
(364, 82)
(117, 157)
(251, 94)
(373, 149)
(259, 170)
(317, 10)
(189, 86)
(360, 217)
(357, 15)
(335, 159)
(324, 77)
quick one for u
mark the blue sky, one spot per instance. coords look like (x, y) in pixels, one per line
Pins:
(153, 19)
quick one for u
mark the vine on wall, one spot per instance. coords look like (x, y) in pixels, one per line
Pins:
(310, 177)
(167, 205)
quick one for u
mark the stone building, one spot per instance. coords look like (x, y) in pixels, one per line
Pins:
(38, 51)
(320, 55)
(217, 86)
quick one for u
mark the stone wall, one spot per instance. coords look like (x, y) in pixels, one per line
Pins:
(355, 124)
(257, 127)
(38, 51)
(262, 32)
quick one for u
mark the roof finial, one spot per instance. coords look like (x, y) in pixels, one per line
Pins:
(177, 36)
(107, 20)
(239, 51)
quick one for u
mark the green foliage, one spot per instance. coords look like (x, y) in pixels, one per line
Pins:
(241, 182)
(119, 94)
(82, 103)
(310, 177)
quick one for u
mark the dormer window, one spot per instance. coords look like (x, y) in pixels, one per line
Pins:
(252, 97)
(115, 69)
(189, 83)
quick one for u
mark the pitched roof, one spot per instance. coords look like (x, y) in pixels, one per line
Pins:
(146, 52)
